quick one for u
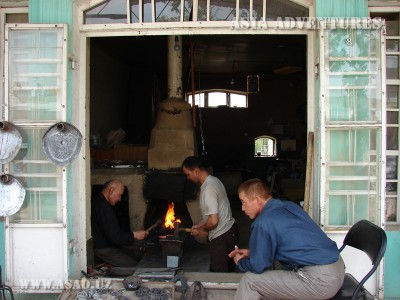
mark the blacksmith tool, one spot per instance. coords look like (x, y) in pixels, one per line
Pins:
(153, 226)
(178, 229)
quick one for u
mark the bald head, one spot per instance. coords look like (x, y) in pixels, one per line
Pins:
(113, 190)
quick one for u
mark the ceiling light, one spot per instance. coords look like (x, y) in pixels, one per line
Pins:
(233, 73)
(176, 45)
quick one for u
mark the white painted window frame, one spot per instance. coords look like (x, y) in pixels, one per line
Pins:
(396, 82)
(9, 258)
(4, 11)
(324, 127)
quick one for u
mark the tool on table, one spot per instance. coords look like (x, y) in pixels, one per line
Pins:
(178, 229)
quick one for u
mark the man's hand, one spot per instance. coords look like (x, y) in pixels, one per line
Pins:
(199, 230)
(238, 254)
(140, 234)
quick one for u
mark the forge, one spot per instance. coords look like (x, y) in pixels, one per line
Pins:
(172, 139)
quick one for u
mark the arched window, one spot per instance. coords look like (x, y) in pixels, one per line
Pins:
(265, 146)
(216, 98)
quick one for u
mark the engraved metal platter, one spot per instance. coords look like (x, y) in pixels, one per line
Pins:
(62, 143)
(10, 142)
(12, 195)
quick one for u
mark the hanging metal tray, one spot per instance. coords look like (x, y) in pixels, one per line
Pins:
(10, 142)
(62, 143)
(12, 195)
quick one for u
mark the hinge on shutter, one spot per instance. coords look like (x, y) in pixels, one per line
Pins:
(72, 59)
(316, 71)
(71, 245)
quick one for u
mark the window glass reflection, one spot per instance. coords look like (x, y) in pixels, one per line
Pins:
(111, 11)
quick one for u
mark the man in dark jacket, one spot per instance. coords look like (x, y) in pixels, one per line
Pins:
(111, 243)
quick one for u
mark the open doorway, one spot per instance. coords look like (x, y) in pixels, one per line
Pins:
(128, 78)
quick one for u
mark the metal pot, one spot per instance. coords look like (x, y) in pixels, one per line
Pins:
(10, 142)
(12, 195)
(62, 143)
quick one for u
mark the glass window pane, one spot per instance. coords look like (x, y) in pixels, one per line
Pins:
(36, 80)
(392, 45)
(349, 100)
(391, 209)
(167, 11)
(392, 96)
(257, 10)
(40, 178)
(202, 12)
(392, 142)
(392, 22)
(282, 9)
(391, 167)
(364, 43)
(39, 207)
(147, 12)
(221, 10)
(17, 18)
(216, 99)
(392, 27)
(392, 117)
(111, 11)
(238, 100)
(35, 75)
(352, 172)
(353, 105)
(265, 146)
(134, 5)
(391, 188)
(392, 66)
(187, 10)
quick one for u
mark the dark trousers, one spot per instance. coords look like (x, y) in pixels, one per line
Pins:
(126, 256)
(220, 247)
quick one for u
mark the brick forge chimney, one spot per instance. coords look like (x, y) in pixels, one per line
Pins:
(172, 138)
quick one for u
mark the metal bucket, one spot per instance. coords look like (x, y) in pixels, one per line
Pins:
(62, 143)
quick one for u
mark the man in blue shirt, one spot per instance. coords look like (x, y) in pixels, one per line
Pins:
(310, 263)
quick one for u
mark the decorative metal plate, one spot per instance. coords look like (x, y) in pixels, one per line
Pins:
(62, 143)
(12, 195)
(10, 142)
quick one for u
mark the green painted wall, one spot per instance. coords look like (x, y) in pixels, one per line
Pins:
(392, 265)
(341, 8)
(2, 251)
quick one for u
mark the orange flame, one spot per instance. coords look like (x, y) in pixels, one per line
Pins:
(170, 217)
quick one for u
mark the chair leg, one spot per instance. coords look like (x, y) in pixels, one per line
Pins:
(3, 289)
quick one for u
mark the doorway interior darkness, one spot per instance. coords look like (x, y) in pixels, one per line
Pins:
(128, 78)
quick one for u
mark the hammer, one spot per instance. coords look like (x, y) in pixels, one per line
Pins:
(177, 229)
(154, 225)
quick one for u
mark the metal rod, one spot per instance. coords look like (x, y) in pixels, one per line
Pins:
(154, 225)
(193, 84)
(310, 147)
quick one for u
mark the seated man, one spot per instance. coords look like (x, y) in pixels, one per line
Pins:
(111, 243)
(311, 266)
